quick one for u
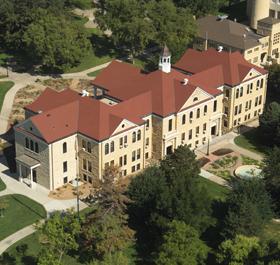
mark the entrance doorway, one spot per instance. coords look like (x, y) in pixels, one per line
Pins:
(34, 175)
(214, 130)
(169, 150)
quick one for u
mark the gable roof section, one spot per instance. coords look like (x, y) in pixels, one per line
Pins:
(234, 66)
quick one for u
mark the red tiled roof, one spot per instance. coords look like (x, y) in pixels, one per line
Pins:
(234, 66)
(61, 114)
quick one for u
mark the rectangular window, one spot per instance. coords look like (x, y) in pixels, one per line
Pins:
(240, 109)
(138, 153)
(125, 140)
(256, 101)
(89, 166)
(260, 100)
(190, 134)
(147, 155)
(124, 172)
(204, 127)
(197, 130)
(215, 106)
(235, 110)
(65, 180)
(170, 125)
(84, 164)
(121, 161)
(64, 147)
(226, 110)
(183, 137)
(133, 169)
(121, 142)
(147, 124)
(138, 166)
(125, 160)
(133, 156)
(147, 141)
(89, 147)
(65, 166)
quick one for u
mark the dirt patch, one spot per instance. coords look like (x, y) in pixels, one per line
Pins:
(29, 94)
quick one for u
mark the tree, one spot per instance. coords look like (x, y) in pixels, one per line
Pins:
(202, 7)
(106, 231)
(271, 172)
(249, 208)
(117, 258)
(169, 192)
(58, 236)
(126, 19)
(273, 88)
(181, 245)
(173, 26)
(54, 42)
(241, 250)
(270, 124)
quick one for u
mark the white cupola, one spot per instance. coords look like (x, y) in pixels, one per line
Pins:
(165, 60)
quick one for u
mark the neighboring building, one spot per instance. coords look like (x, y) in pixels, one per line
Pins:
(264, 17)
(136, 117)
(222, 33)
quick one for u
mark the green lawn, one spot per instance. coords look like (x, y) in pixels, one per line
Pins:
(251, 140)
(216, 191)
(271, 231)
(95, 73)
(2, 185)
(4, 87)
(20, 213)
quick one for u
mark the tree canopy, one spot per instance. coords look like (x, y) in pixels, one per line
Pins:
(181, 245)
(270, 124)
(249, 208)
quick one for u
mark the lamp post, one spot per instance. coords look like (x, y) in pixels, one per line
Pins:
(208, 147)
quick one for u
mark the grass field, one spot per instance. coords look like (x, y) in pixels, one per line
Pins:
(216, 191)
(251, 141)
(4, 87)
(20, 213)
(95, 73)
(271, 230)
(2, 185)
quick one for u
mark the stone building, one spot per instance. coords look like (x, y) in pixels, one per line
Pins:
(135, 117)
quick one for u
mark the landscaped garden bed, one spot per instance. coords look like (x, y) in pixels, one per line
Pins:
(226, 162)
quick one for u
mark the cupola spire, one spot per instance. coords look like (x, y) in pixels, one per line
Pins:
(165, 60)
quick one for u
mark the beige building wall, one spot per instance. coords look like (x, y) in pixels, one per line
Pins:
(58, 175)
(244, 102)
(257, 10)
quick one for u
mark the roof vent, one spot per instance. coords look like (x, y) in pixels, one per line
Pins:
(222, 17)
(185, 82)
(85, 93)
(220, 48)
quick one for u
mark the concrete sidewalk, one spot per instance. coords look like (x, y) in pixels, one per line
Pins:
(12, 239)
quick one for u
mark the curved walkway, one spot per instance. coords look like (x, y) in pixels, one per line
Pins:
(15, 237)
(22, 80)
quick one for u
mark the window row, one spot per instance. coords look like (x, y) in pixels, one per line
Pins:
(197, 131)
(135, 168)
(31, 145)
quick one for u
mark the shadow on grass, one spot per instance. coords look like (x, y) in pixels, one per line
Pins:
(252, 141)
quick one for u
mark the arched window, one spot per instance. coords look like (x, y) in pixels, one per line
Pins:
(36, 148)
(262, 83)
(258, 83)
(205, 109)
(27, 143)
(64, 147)
(134, 137)
(191, 115)
(241, 91)
(195, 99)
(237, 93)
(184, 119)
(112, 146)
(89, 147)
(138, 135)
(198, 113)
(106, 149)
(31, 145)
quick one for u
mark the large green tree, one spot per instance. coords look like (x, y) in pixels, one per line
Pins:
(273, 83)
(270, 124)
(130, 27)
(58, 235)
(170, 191)
(174, 26)
(249, 208)
(238, 251)
(181, 245)
(202, 7)
(271, 173)
(55, 43)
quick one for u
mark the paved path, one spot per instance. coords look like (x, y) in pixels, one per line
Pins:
(12, 239)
